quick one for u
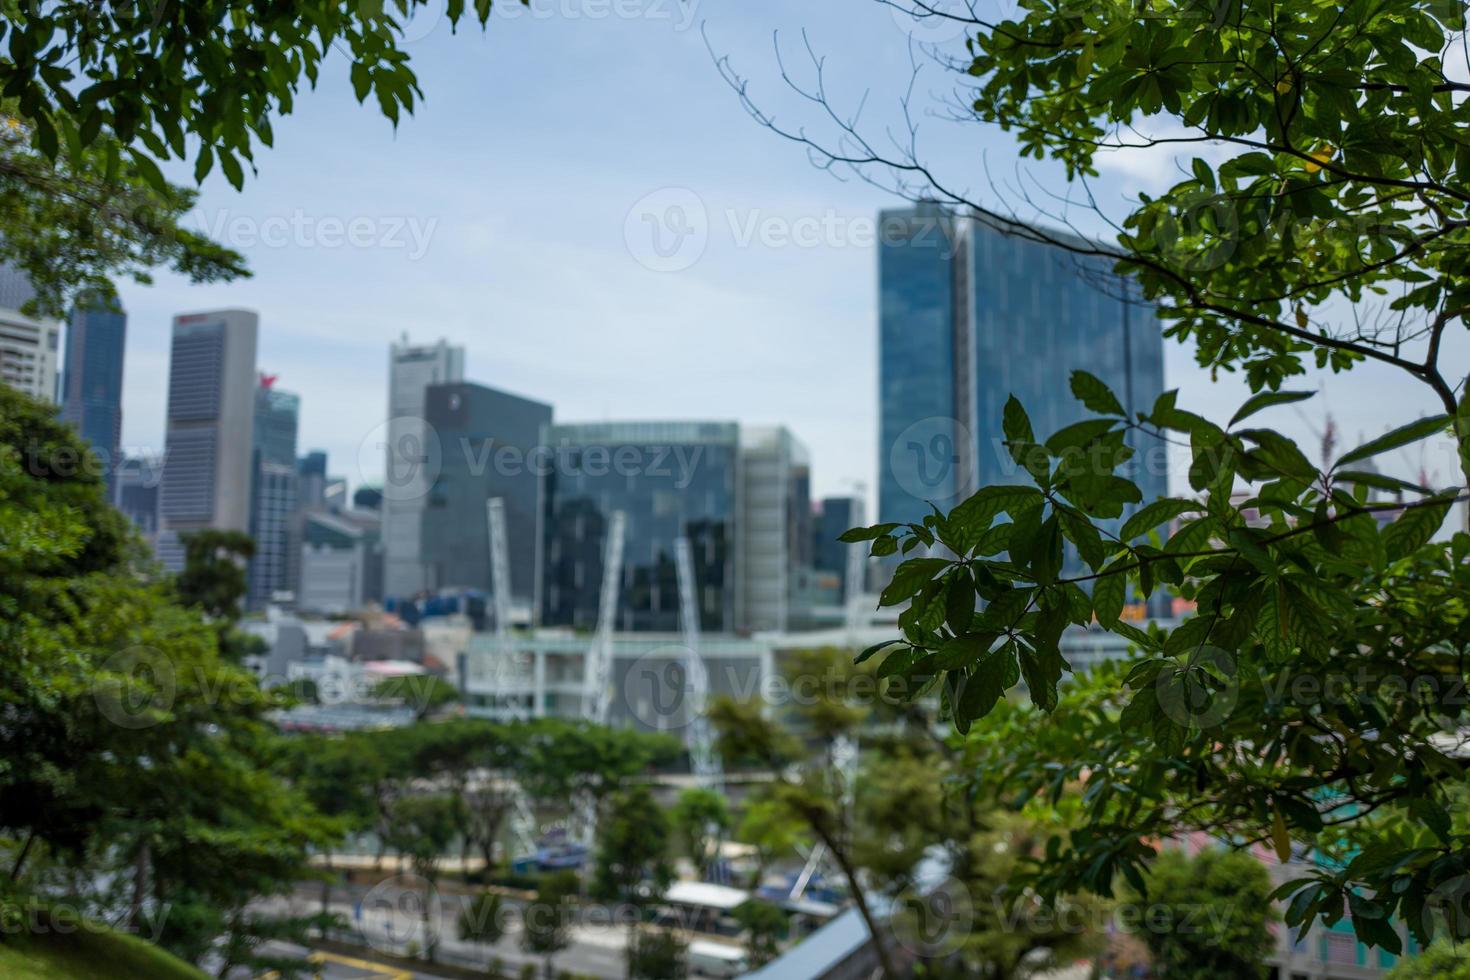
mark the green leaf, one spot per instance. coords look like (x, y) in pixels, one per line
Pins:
(1091, 392)
(1402, 436)
(1108, 594)
(1151, 515)
(149, 171)
(909, 578)
(856, 534)
(1378, 481)
(868, 653)
(1417, 525)
(1266, 399)
(1015, 423)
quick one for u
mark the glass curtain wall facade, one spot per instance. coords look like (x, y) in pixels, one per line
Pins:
(670, 479)
(969, 316)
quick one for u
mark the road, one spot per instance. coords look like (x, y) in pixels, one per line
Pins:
(389, 918)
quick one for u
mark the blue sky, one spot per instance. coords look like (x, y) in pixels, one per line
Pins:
(501, 214)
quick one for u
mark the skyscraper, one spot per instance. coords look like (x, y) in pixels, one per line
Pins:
(411, 370)
(209, 441)
(29, 346)
(968, 317)
(92, 386)
(487, 440)
(670, 480)
(836, 516)
(273, 498)
(775, 528)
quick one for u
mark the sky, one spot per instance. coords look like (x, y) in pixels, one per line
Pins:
(515, 213)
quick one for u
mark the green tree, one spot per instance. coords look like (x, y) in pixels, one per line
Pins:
(424, 693)
(1327, 227)
(771, 828)
(1441, 961)
(657, 954)
(546, 923)
(632, 849)
(102, 95)
(764, 925)
(482, 920)
(700, 817)
(1208, 915)
(421, 828)
(132, 750)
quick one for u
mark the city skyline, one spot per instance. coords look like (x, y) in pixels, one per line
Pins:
(527, 252)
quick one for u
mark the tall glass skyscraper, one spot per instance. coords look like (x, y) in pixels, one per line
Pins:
(91, 390)
(274, 494)
(670, 479)
(968, 317)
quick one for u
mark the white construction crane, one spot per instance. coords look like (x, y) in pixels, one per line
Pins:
(598, 666)
(703, 759)
(523, 827)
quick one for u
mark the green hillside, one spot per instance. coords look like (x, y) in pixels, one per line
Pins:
(88, 954)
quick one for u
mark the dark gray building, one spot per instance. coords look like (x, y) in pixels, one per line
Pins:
(486, 442)
(836, 515)
(91, 388)
(208, 457)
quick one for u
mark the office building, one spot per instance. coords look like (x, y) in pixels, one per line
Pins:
(775, 526)
(670, 480)
(837, 515)
(487, 440)
(138, 479)
(28, 354)
(341, 562)
(410, 446)
(209, 441)
(91, 390)
(969, 316)
(274, 495)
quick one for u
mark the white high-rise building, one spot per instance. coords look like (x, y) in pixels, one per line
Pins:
(29, 348)
(775, 527)
(210, 436)
(411, 452)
